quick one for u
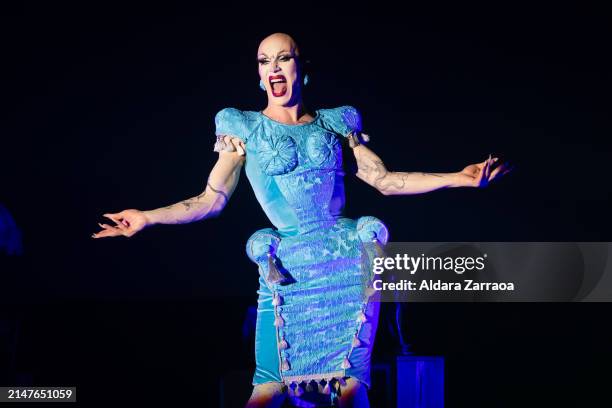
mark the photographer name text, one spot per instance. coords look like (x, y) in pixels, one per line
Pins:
(438, 285)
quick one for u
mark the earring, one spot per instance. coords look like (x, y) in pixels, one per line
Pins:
(305, 79)
(261, 85)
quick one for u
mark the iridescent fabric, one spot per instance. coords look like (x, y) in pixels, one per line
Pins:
(318, 323)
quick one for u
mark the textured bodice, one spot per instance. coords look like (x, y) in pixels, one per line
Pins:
(315, 321)
(295, 170)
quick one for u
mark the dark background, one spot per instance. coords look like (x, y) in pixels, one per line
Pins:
(108, 108)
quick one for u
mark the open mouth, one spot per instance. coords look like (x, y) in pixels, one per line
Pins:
(278, 84)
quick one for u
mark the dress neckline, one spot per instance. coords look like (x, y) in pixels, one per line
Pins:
(285, 124)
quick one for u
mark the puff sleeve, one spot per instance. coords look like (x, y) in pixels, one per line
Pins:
(350, 120)
(344, 120)
(230, 122)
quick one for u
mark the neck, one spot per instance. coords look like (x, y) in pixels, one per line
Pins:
(287, 114)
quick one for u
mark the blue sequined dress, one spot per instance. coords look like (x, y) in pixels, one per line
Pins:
(316, 318)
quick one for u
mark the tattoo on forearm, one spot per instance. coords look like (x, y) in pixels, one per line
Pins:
(188, 204)
(218, 192)
(373, 170)
(395, 181)
(191, 203)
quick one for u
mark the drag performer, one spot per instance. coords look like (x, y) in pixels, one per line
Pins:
(316, 320)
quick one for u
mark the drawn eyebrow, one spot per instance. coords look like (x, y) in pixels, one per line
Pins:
(263, 54)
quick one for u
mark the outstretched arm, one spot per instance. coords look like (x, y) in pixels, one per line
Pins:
(372, 170)
(221, 184)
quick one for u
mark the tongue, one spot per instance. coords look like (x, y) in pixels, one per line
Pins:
(279, 87)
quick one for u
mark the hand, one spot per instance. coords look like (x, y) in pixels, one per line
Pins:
(481, 174)
(232, 144)
(127, 223)
(356, 138)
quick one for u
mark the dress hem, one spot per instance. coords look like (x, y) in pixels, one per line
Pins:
(317, 377)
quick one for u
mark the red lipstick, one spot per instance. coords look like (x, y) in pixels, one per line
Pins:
(278, 84)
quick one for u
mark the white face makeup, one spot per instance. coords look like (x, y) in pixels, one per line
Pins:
(279, 70)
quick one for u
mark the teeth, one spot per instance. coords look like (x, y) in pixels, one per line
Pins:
(273, 81)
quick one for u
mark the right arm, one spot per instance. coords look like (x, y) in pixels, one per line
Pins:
(221, 184)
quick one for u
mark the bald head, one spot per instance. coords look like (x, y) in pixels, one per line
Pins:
(278, 41)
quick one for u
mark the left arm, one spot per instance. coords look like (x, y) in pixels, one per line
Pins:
(372, 170)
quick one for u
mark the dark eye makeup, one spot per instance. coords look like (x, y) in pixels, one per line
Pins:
(282, 58)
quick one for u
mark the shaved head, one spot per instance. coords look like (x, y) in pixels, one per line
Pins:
(279, 38)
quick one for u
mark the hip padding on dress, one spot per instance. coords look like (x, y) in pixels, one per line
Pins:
(261, 249)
